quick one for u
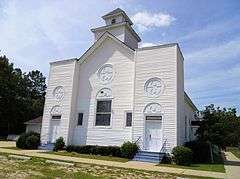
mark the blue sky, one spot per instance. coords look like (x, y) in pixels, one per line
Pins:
(33, 33)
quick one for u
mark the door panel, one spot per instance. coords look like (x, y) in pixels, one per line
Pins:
(55, 128)
(153, 135)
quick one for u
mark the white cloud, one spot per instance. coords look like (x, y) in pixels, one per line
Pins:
(212, 30)
(145, 20)
(33, 33)
(218, 87)
(218, 78)
(147, 44)
(214, 54)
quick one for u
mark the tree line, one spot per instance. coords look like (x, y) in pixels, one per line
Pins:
(220, 126)
(22, 97)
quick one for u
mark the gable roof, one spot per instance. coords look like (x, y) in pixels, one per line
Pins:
(117, 12)
(99, 42)
(37, 120)
(117, 25)
(189, 101)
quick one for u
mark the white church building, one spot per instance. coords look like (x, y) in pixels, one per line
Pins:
(117, 92)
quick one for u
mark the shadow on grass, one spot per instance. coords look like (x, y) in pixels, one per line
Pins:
(233, 163)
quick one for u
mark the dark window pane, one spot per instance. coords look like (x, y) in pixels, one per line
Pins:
(80, 119)
(128, 119)
(104, 106)
(153, 117)
(56, 117)
(103, 119)
(113, 21)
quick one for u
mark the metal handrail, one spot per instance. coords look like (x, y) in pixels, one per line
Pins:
(163, 146)
(45, 135)
(138, 139)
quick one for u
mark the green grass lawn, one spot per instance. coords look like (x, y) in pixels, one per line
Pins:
(235, 151)
(37, 168)
(200, 166)
(97, 157)
(217, 166)
(14, 148)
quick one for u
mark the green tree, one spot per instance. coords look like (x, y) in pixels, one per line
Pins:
(21, 97)
(220, 126)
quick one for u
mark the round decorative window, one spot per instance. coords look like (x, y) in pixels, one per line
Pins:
(154, 87)
(104, 93)
(153, 108)
(105, 74)
(56, 110)
(58, 93)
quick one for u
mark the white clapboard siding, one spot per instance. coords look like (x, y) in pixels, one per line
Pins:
(117, 32)
(122, 61)
(180, 98)
(61, 74)
(156, 62)
(190, 116)
(131, 71)
(130, 40)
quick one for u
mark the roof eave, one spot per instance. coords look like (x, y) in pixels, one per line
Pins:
(32, 123)
(99, 41)
(113, 15)
(188, 99)
(116, 25)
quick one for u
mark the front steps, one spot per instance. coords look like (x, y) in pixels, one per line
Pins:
(147, 156)
(48, 146)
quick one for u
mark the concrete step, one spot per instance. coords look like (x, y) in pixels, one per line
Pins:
(148, 152)
(46, 147)
(146, 160)
(151, 154)
(147, 156)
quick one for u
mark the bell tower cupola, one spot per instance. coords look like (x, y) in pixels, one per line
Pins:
(119, 25)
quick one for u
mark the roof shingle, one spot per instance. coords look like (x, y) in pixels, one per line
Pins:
(118, 10)
(37, 120)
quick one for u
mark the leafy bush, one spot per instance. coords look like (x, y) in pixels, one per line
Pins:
(95, 150)
(129, 149)
(32, 142)
(21, 142)
(59, 144)
(182, 155)
(201, 151)
(29, 140)
(167, 159)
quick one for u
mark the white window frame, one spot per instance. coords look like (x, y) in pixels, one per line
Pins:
(103, 99)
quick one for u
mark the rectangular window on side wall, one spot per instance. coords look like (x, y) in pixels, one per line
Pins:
(80, 119)
(103, 114)
(128, 119)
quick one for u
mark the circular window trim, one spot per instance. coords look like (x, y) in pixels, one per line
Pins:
(99, 71)
(149, 105)
(54, 93)
(56, 110)
(153, 79)
(104, 90)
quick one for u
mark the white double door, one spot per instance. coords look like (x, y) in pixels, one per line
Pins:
(153, 135)
(54, 130)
